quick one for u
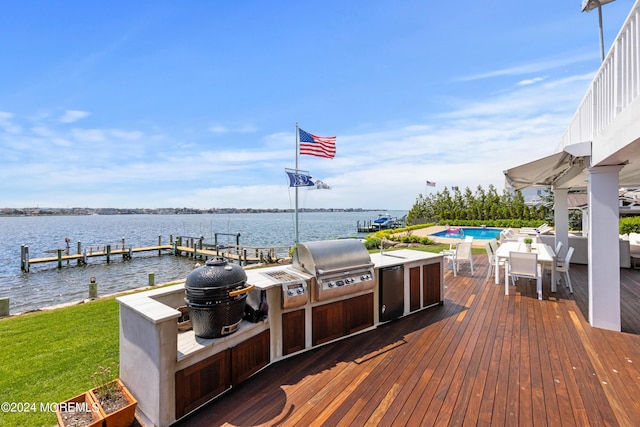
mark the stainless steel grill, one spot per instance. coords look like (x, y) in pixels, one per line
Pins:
(340, 267)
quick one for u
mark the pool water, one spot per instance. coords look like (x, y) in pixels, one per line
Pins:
(476, 233)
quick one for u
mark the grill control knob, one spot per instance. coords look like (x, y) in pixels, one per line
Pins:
(300, 291)
(290, 292)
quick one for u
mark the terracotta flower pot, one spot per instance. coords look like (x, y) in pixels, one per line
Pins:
(122, 417)
(83, 404)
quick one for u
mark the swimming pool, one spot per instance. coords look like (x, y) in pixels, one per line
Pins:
(462, 232)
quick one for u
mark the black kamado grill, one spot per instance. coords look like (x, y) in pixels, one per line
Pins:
(215, 294)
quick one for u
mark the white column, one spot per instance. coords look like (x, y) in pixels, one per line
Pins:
(585, 221)
(603, 247)
(561, 217)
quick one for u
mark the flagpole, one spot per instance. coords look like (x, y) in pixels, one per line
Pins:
(297, 152)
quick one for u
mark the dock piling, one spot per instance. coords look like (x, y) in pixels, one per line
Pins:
(93, 288)
(24, 258)
(152, 279)
(4, 307)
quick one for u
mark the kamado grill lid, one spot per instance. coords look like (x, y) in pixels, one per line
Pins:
(216, 273)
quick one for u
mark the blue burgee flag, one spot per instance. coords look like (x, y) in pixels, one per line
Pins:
(300, 180)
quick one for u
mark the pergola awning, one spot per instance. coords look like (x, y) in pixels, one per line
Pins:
(561, 170)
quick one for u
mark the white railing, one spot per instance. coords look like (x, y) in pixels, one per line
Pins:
(615, 86)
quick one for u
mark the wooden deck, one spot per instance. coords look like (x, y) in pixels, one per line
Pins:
(482, 358)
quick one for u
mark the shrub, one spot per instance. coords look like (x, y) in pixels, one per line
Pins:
(426, 241)
(372, 242)
(630, 224)
(410, 239)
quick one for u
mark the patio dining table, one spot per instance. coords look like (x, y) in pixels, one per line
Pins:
(545, 255)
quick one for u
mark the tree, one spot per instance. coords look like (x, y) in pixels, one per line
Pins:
(481, 205)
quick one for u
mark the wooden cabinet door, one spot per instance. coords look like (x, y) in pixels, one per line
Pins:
(414, 288)
(250, 356)
(328, 322)
(202, 382)
(293, 327)
(431, 284)
(359, 313)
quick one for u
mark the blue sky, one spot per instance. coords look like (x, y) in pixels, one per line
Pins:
(154, 104)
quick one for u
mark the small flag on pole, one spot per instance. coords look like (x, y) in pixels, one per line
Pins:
(319, 146)
(431, 184)
(320, 185)
(303, 180)
(299, 180)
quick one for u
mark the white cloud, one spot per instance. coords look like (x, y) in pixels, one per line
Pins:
(218, 128)
(127, 135)
(533, 67)
(527, 82)
(88, 135)
(7, 125)
(71, 116)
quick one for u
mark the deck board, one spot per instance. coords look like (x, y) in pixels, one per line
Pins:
(482, 358)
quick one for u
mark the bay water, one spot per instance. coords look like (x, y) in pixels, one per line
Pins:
(46, 285)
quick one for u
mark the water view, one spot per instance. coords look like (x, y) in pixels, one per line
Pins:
(46, 285)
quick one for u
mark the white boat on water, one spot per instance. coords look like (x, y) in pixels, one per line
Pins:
(384, 221)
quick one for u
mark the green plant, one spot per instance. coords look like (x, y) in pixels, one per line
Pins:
(372, 242)
(527, 240)
(630, 224)
(104, 381)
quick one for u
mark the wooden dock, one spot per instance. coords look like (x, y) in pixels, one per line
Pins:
(483, 358)
(193, 247)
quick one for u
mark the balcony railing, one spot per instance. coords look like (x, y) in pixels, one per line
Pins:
(614, 88)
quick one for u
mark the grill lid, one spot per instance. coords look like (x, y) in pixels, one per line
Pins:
(330, 256)
(217, 273)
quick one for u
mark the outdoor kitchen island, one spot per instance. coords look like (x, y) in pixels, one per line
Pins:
(173, 372)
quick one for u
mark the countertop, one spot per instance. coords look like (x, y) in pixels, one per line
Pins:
(402, 256)
(261, 279)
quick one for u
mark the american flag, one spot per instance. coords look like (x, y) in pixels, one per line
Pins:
(319, 146)
(431, 184)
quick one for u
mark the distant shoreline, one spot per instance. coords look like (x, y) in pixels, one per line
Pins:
(19, 212)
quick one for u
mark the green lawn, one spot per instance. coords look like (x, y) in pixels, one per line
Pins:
(49, 356)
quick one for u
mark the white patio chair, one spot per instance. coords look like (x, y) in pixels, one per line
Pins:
(507, 235)
(491, 258)
(524, 265)
(544, 229)
(494, 245)
(563, 267)
(468, 238)
(462, 253)
(558, 249)
(450, 256)
(549, 266)
(531, 230)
